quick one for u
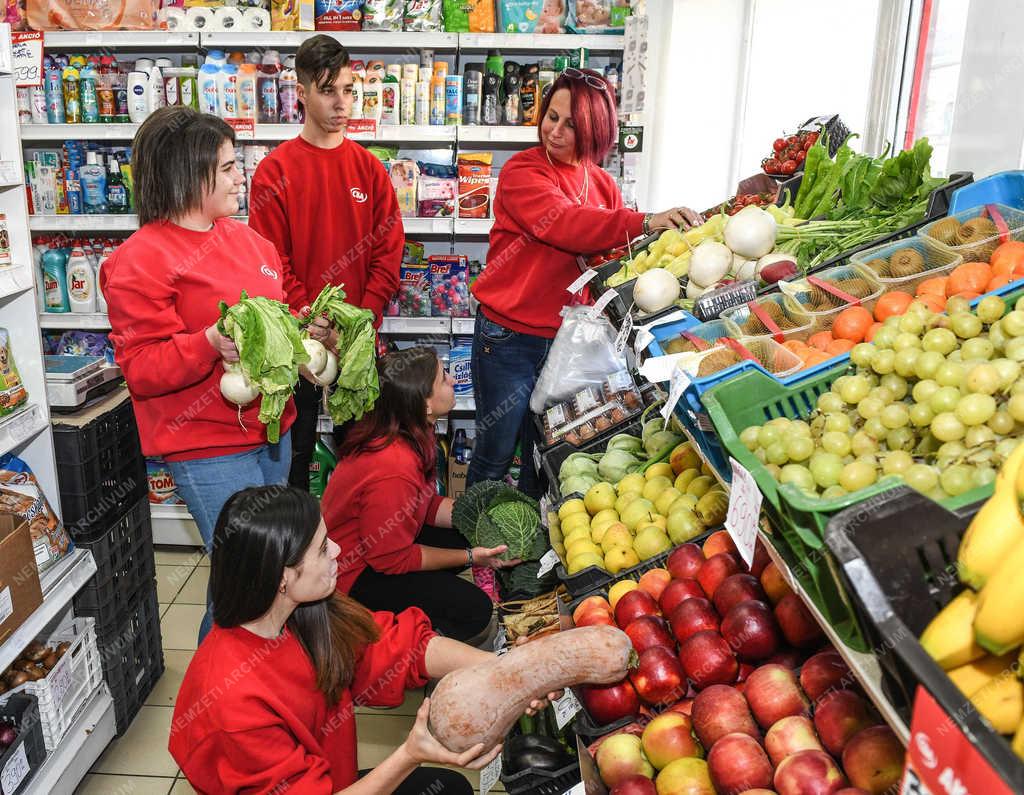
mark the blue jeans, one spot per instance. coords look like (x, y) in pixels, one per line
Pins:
(506, 365)
(206, 484)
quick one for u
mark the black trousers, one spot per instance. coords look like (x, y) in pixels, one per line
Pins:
(307, 406)
(432, 781)
(457, 608)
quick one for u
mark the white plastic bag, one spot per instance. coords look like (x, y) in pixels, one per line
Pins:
(583, 354)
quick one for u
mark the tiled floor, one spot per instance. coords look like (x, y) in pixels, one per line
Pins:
(138, 763)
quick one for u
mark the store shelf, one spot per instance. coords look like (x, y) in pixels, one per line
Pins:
(11, 174)
(14, 280)
(416, 325)
(473, 227)
(64, 769)
(119, 39)
(427, 226)
(357, 41)
(19, 428)
(83, 223)
(416, 132)
(463, 325)
(78, 132)
(546, 42)
(483, 134)
(59, 583)
(71, 320)
(173, 524)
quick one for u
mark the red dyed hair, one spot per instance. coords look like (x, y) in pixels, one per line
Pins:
(595, 120)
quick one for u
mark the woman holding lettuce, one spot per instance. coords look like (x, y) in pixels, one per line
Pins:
(382, 509)
(163, 286)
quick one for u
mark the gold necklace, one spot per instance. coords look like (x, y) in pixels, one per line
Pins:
(584, 192)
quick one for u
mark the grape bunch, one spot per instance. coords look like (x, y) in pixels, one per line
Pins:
(935, 400)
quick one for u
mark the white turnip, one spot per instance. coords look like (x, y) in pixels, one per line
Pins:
(655, 290)
(751, 232)
(709, 263)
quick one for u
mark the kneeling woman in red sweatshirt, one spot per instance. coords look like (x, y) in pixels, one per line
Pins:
(267, 703)
(382, 508)
(162, 288)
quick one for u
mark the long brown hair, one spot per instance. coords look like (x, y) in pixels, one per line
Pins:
(259, 532)
(406, 381)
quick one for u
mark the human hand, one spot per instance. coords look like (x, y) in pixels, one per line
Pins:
(491, 558)
(675, 218)
(225, 346)
(321, 330)
(421, 746)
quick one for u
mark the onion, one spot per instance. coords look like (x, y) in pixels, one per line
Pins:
(709, 263)
(7, 736)
(655, 290)
(751, 232)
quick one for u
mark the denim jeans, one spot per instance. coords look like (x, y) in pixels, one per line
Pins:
(206, 484)
(506, 365)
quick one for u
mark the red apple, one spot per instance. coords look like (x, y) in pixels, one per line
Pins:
(633, 605)
(852, 791)
(798, 625)
(761, 560)
(759, 791)
(789, 657)
(677, 592)
(789, 735)
(715, 571)
(686, 776)
(684, 707)
(609, 703)
(720, 710)
(620, 757)
(718, 542)
(669, 737)
(654, 582)
(659, 678)
(737, 763)
(693, 616)
(774, 584)
(649, 631)
(873, 759)
(634, 785)
(773, 694)
(823, 672)
(735, 589)
(746, 669)
(808, 773)
(708, 660)
(750, 630)
(838, 716)
(593, 618)
(684, 561)
(588, 604)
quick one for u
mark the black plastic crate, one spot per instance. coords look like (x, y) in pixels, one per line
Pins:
(22, 710)
(100, 468)
(540, 782)
(898, 561)
(551, 458)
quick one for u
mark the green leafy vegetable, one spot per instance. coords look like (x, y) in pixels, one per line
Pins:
(517, 524)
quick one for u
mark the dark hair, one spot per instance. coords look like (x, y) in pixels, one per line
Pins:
(259, 532)
(319, 59)
(406, 381)
(594, 118)
(175, 158)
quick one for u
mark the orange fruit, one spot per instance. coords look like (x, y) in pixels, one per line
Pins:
(936, 303)
(796, 346)
(1008, 255)
(838, 347)
(893, 303)
(966, 294)
(821, 340)
(971, 277)
(870, 335)
(852, 324)
(935, 286)
(817, 357)
(998, 281)
(1003, 268)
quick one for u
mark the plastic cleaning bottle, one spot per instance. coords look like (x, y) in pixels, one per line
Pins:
(54, 91)
(372, 100)
(287, 93)
(268, 107)
(81, 282)
(121, 95)
(90, 102)
(53, 264)
(101, 302)
(138, 99)
(216, 58)
(37, 104)
(357, 97)
(94, 185)
(117, 194)
(320, 468)
(227, 88)
(72, 96)
(187, 87)
(247, 91)
(208, 89)
(437, 100)
(473, 84)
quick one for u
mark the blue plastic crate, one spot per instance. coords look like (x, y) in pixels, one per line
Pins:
(1006, 187)
(710, 331)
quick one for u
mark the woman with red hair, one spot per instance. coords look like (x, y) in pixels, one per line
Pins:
(554, 202)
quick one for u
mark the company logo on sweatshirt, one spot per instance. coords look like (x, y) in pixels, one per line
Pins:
(268, 271)
(357, 194)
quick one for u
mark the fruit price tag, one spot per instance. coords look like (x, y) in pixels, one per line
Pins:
(940, 758)
(620, 340)
(602, 302)
(744, 511)
(578, 789)
(642, 340)
(361, 129)
(489, 775)
(14, 771)
(582, 281)
(566, 708)
(547, 563)
(680, 380)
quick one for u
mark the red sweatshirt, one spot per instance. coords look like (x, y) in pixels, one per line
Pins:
(162, 287)
(374, 507)
(249, 717)
(333, 215)
(539, 228)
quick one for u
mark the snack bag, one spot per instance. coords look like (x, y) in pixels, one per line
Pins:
(89, 15)
(21, 495)
(12, 391)
(422, 16)
(383, 15)
(475, 185)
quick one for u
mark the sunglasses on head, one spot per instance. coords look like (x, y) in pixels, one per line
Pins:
(592, 80)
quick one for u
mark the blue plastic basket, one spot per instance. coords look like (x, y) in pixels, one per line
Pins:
(710, 332)
(1006, 187)
(980, 250)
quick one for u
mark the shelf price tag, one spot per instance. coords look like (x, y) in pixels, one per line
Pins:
(623, 335)
(361, 129)
(547, 563)
(677, 385)
(744, 511)
(566, 708)
(489, 775)
(14, 771)
(60, 678)
(584, 279)
(941, 760)
(27, 58)
(245, 129)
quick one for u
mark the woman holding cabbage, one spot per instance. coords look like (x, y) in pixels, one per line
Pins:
(163, 286)
(382, 509)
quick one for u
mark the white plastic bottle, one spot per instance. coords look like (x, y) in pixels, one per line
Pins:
(138, 96)
(407, 107)
(227, 87)
(81, 283)
(209, 91)
(390, 101)
(357, 97)
(101, 302)
(157, 96)
(422, 103)
(247, 91)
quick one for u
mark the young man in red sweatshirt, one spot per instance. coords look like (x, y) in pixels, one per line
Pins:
(328, 206)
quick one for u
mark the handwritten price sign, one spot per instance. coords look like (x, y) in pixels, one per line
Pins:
(744, 511)
(27, 55)
(14, 771)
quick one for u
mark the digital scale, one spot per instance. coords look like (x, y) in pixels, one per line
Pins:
(72, 381)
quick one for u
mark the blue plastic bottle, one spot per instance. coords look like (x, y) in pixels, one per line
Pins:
(87, 87)
(93, 179)
(53, 264)
(54, 91)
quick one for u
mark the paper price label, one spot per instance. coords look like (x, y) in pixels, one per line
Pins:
(680, 380)
(536, 459)
(27, 58)
(602, 302)
(566, 708)
(585, 278)
(547, 563)
(744, 511)
(60, 677)
(620, 340)
(578, 789)
(14, 771)
(642, 340)
(245, 129)
(489, 775)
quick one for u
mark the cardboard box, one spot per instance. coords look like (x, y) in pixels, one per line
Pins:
(20, 593)
(456, 477)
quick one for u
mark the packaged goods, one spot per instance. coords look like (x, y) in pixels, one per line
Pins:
(405, 176)
(383, 15)
(460, 365)
(162, 490)
(71, 15)
(475, 185)
(339, 14)
(21, 495)
(436, 197)
(422, 16)
(469, 16)
(533, 16)
(598, 16)
(449, 285)
(413, 297)
(12, 391)
(592, 410)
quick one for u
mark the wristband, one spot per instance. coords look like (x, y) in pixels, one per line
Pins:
(647, 224)
(469, 556)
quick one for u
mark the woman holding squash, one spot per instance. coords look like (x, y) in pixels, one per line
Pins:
(267, 703)
(382, 509)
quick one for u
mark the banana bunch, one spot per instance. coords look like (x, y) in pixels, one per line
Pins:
(978, 637)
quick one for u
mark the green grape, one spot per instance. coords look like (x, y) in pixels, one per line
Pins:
(837, 422)
(799, 448)
(990, 308)
(921, 415)
(950, 373)
(1019, 304)
(896, 384)
(825, 467)
(774, 470)
(799, 476)
(947, 427)
(1014, 348)
(940, 340)
(897, 462)
(884, 338)
(836, 443)
(975, 409)
(895, 415)
(983, 476)
(800, 428)
(1009, 371)
(906, 341)
(911, 323)
(1017, 387)
(923, 390)
(858, 475)
(1006, 446)
(760, 455)
(977, 348)
(965, 325)
(921, 477)
(830, 402)
(875, 429)
(901, 439)
(817, 425)
(882, 393)
(776, 453)
(862, 444)
(982, 379)
(893, 322)
(870, 407)
(1001, 423)
(951, 450)
(927, 363)
(906, 361)
(955, 480)
(945, 399)
(957, 304)
(977, 435)
(1013, 323)
(1015, 407)
(768, 436)
(749, 437)
(861, 353)
(782, 423)
(883, 362)
(955, 356)
(855, 389)
(834, 493)
(997, 337)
